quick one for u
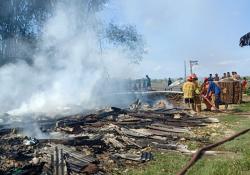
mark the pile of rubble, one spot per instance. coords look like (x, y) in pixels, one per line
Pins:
(97, 142)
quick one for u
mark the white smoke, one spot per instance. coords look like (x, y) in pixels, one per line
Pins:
(68, 67)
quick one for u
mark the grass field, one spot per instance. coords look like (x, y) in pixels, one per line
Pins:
(235, 162)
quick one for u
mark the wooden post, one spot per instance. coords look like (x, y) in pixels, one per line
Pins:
(61, 162)
(185, 71)
(191, 67)
(57, 162)
(52, 166)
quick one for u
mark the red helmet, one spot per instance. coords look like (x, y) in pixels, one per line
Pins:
(194, 76)
(205, 79)
(190, 78)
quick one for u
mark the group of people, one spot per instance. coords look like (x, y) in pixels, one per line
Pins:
(208, 92)
(233, 76)
(192, 93)
(141, 84)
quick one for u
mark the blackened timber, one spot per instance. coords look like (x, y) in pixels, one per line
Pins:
(161, 133)
(132, 133)
(52, 163)
(77, 141)
(61, 161)
(176, 129)
(6, 131)
(151, 116)
(110, 113)
(56, 161)
(164, 146)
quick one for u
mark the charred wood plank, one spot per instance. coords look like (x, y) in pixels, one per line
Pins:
(180, 129)
(166, 129)
(6, 131)
(75, 141)
(150, 116)
(183, 124)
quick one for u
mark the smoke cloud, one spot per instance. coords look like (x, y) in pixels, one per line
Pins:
(68, 68)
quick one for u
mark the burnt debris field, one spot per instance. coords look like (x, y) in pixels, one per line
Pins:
(96, 142)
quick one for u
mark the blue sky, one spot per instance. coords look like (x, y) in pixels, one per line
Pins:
(178, 30)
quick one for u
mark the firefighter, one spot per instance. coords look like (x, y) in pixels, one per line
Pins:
(204, 90)
(197, 93)
(188, 91)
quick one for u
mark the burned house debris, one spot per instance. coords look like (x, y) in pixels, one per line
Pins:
(98, 142)
(69, 71)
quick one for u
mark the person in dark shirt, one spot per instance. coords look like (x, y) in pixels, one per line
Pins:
(210, 78)
(216, 91)
(148, 82)
(169, 81)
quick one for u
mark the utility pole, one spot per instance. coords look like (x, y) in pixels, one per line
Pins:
(191, 67)
(192, 63)
(185, 70)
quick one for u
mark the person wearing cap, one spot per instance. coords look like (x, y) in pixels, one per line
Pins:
(188, 91)
(204, 90)
(197, 93)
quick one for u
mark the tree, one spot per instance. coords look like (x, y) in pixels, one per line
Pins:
(127, 37)
(22, 21)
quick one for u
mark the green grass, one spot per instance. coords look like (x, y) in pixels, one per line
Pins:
(236, 162)
(221, 166)
(165, 163)
(244, 107)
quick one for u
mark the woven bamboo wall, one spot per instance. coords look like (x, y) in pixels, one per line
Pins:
(231, 92)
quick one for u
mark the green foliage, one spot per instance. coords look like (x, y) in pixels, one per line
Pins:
(22, 18)
(127, 37)
(25, 18)
(248, 91)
